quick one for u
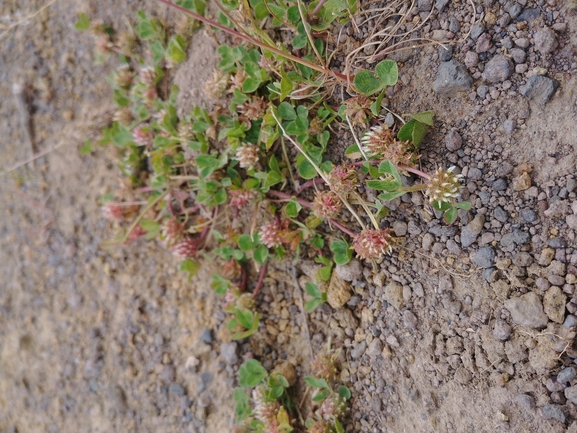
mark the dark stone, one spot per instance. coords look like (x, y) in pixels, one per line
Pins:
(452, 78)
(529, 14)
(206, 336)
(554, 411)
(484, 257)
(500, 184)
(529, 215)
(498, 69)
(557, 243)
(539, 89)
(445, 53)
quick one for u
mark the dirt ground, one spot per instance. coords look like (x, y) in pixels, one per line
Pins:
(96, 339)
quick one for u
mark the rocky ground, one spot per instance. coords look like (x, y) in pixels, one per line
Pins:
(468, 327)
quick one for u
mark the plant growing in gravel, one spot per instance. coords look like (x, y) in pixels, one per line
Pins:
(262, 403)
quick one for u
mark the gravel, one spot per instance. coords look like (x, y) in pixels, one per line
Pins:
(452, 78)
(228, 352)
(498, 69)
(527, 310)
(484, 257)
(539, 89)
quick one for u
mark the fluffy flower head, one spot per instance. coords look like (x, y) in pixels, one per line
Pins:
(272, 233)
(326, 204)
(372, 244)
(247, 155)
(380, 142)
(343, 179)
(443, 186)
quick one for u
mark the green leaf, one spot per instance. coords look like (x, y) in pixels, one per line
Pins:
(320, 396)
(342, 252)
(386, 185)
(442, 206)
(366, 83)
(344, 392)
(376, 105)
(406, 131)
(244, 317)
(306, 169)
(246, 243)
(388, 196)
(190, 266)
(387, 167)
(83, 22)
(315, 382)
(251, 85)
(299, 41)
(292, 208)
(158, 51)
(87, 147)
(465, 205)
(176, 51)
(419, 132)
(313, 290)
(260, 255)
(207, 164)
(338, 426)
(325, 273)
(313, 304)
(451, 215)
(388, 72)
(293, 14)
(251, 374)
(272, 178)
(286, 111)
(353, 152)
(425, 117)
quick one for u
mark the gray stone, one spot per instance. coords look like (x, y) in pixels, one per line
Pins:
(425, 5)
(545, 40)
(454, 24)
(529, 215)
(571, 394)
(501, 214)
(445, 53)
(525, 401)
(566, 375)
(359, 350)
(484, 257)
(375, 348)
(471, 59)
(522, 259)
(176, 389)
(409, 320)
(554, 411)
(351, 271)
(539, 89)
(483, 43)
(515, 10)
(516, 237)
(228, 352)
(475, 174)
(206, 336)
(476, 31)
(390, 120)
(471, 231)
(519, 55)
(427, 241)
(527, 310)
(509, 126)
(482, 91)
(394, 295)
(440, 4)
(453, 140)
(502, 330)
(570, 321)
(557, 243)
(522, 42)
(529, 14)
(571, 221)
(168, 373)
(452, 78)
(400, 228)
(504, 169)
(554, 304)
(498, 69)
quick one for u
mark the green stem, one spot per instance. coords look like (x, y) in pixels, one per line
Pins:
(141, 216)
(256, 42)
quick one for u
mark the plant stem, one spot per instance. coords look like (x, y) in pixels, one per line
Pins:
(141, 216)
(415, 171)
(317, 9)
(308, 184)
(254, 41)
(287, 196)
(260, 280)
(342, 228)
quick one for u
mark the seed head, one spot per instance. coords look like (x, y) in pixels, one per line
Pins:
(343, 179)
(320, 426)
(443, 186)
(172, 231)
(333, 407)
(142, 136)
(272, 233)
(127, 42)
(380, 142)
(186, 248)
(254, 108)
(123, 116)
(246, 301)
(327, 204)
(216, 85)
(237, 80)
(324, 366)
(124, 77)
(148, 76)
(372, 244)
(231, 269)
(357, 109)
(240, 197)
(113, 211)
(264, 411)
(247, 156)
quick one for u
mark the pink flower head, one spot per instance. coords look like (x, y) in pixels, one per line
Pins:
(240, 197)
(372, 244)
(186, 248)
(272, 233)
(327, 204)
(343, 179)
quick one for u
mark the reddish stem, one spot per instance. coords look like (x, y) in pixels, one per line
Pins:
(243, 278)
(284, 195)
(309, 183)
(260, 280)
(342, 228)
